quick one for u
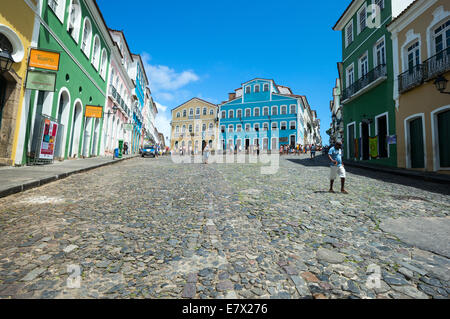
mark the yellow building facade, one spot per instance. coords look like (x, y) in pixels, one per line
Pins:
(194, 125)
(17, 25)
(421, 45)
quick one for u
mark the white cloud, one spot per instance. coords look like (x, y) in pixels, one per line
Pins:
(166, 81)
(162, 120)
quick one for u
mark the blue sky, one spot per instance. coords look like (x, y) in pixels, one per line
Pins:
(208, 48)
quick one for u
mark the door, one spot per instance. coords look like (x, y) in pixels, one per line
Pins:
(365, 141)
(292, 142)
(416, 143)
(382, 136)
(247, 144)
(351, 141)
(444, 138)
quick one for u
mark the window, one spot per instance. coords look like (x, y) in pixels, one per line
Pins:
(266, 87)
(283, 126)
(363, 66)
(442, 37)
(265, 126)
(380, 53)
(205, 111)
(266, 111)
(350, 75)
(190, 128)
(184, 113)
(211, 127)
(257, 88)
(293, 109)
(248, 113)
(274, 110)
(239, 128)
(184, 129)
(178, 115)
(247, 127)
(58, 7)
(197, 111)
(274, 126)
(239, 113)
(204, 128)
(191, 112)
(104, 64)
(223, 128)
(230, 128)
(349, 34)
(224, 114)
(177, 129)
(87, 38)
(211, 112)
(380, 3)
(256, 127)
(283, 110)
(256, 111)
(413, 54)
(231, 114)
(96, 53)
(362, 19)
(292, 125)
(248, 89)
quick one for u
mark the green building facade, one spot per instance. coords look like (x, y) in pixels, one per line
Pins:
(368, 78)
(75, 29)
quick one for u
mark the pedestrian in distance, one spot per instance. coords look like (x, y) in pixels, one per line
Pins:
(206, 154)
(125, 148)
(337, 167)
(313, 151)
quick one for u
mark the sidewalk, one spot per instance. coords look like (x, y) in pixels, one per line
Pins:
(425, 176)
(18, 179)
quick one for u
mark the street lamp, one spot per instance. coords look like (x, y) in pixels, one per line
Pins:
(441, 84)
(6, 61)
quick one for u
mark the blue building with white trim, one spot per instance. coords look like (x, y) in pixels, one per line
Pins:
(261, 113)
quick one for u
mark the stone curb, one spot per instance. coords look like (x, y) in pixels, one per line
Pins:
(45, 180)
(412, 174)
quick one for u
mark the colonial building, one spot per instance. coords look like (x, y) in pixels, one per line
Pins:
(421, 46)
(76, 29)
(17, 25)
(369, 108)
(194, 124)
(261, 113)
(337, 124)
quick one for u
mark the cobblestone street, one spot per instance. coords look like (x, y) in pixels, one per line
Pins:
(149, 228)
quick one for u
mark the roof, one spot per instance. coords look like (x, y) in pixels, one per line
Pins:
(124, 38)
(194, 98)
(403, 12)
(345, 12)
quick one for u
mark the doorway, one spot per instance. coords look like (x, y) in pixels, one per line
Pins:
(292, 141)
(416, 143)
(247, 144)
(351, 142)
(365, 141)
(443, 121)
(382, 136)
(76, 130)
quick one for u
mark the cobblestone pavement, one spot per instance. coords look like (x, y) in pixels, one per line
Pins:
(149, 228)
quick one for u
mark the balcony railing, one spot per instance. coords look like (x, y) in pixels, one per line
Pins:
(120, 101)
(431, 68)
(437, 64)
(411, 78)
(365, 81)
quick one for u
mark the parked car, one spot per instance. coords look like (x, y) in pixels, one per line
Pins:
(148, 150)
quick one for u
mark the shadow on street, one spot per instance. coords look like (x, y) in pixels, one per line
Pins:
(322, 161)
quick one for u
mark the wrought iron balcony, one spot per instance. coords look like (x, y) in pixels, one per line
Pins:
(437, 64)
(364, 81)
(411, 78)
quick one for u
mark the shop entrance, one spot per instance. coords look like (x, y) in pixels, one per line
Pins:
(365, 141)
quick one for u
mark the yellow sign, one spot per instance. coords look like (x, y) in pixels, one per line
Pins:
(44, 60)
(373, 142)
(94, 111)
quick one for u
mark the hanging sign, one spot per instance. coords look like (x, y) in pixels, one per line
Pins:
(392, 139)
(47, 149)
(44, 59)
(94, 111)
(373, 144)
(42, 81)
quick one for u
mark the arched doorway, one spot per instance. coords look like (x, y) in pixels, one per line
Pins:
(96, 136)
(76, 129)
(87, 137)
(63, 120)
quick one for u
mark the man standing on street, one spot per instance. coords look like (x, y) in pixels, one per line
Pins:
(337, 167)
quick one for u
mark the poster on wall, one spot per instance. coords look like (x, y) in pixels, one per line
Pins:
(47, 149)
